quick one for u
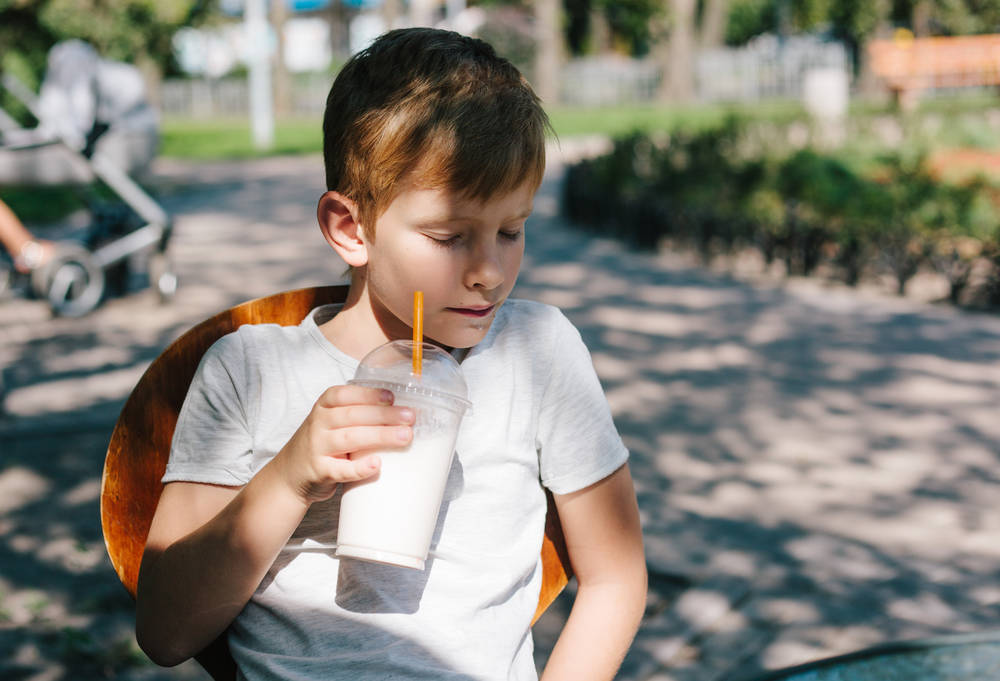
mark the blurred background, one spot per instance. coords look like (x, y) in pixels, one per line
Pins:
(775, 223)
(853, 94)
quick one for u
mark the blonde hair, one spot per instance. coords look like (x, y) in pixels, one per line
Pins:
(435, 108)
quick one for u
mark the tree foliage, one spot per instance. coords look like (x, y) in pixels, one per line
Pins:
(137, 31)
(857, 20)
(952, 17)
(628, 20)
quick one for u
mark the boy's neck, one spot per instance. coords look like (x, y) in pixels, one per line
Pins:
(359, 327)
(355, 330)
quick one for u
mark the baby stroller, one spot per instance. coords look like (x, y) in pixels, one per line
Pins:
(95, 129)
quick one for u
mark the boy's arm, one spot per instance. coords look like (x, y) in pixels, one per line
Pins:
(604, 540)
(209, 546)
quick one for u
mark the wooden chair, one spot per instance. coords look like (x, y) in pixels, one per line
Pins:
(140, 444)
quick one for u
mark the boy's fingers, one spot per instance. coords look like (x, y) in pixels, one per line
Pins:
(349, 470)
(340, 395)
(366, 415)
(361, 438)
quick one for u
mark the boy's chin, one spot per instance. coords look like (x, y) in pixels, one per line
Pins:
(462, 338)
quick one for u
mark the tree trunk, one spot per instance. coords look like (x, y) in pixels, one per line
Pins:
(422, 12)
(340, 42)
(281, 80)
(921, 18)
(152, 76)
(390, 13)
(548, 50)
(713, 23)
(600, 32)
(677, 56)
(867, 82)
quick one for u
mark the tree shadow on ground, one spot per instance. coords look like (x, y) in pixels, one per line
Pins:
(832, 451)
(241, 231)
(824, 460)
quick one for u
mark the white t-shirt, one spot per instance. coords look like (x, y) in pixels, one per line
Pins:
(539, 417)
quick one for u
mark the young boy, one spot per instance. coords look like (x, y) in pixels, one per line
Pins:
(434, 149)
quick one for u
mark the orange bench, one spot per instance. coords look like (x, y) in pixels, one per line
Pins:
(910, 65)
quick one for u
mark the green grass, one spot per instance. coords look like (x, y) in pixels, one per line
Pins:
(618, 120)
(232, 138)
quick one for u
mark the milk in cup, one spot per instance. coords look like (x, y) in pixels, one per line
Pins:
(390, 518)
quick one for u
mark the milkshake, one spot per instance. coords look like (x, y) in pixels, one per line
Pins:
(391, 517)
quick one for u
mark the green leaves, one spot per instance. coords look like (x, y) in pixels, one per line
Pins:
(806, 208)
(136, 31)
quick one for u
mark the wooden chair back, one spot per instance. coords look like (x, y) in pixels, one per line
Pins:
(140, 444)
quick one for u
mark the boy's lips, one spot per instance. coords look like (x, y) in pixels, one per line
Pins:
(475, 311)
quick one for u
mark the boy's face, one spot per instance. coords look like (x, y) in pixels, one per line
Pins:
(462, 253)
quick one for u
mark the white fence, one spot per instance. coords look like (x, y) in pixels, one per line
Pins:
(767, 67)
(204, 98)
(608, 80)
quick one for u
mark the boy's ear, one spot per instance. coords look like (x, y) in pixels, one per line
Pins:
(338, 220)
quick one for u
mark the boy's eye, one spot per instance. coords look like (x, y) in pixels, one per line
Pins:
(445, 241)
(512, 235)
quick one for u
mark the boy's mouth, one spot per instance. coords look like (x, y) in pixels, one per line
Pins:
(474, 311)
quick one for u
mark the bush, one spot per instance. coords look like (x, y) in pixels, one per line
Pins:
(699, 191)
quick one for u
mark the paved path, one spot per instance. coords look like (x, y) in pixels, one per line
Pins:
(816, 468)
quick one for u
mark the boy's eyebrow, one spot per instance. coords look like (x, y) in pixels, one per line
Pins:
(448, 218)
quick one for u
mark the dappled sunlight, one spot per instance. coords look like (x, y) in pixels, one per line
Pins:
(927, 608)
(241, 231)
(789, 610)
(87, 492)
(652, 322)
(835, 449)
(65, 381)
(69, 394)
(20, 486)
(832, 557)
(816, 469)
(69, 554)
(924, 390)
(735, 563)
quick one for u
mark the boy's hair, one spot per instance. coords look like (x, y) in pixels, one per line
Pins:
(439, 105)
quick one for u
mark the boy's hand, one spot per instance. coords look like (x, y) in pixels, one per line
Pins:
(346, 420)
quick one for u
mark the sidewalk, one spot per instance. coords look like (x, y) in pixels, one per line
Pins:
(815, 466)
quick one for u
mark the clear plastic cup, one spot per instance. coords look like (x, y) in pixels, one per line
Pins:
(390, 518)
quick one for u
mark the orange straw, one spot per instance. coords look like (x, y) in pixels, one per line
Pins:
(418, 332)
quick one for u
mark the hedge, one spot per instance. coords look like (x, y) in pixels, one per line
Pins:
(707, 191)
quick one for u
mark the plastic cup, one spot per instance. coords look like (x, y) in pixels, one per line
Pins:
(390, 518)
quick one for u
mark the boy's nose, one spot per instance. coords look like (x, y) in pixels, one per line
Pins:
(485, 269)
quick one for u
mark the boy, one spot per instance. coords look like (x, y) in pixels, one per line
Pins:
(434, 148)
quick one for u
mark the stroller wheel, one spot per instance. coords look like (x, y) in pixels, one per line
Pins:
(162, 277)
(71, 281)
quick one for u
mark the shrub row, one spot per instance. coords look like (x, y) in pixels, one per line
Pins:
(708, 191)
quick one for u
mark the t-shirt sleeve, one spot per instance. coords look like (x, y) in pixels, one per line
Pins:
(212, 441)
(578, 444)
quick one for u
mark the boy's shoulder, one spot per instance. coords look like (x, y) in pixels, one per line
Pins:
(253, 339)
(519, 311)
(530, 322)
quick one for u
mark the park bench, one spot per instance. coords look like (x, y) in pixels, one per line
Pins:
(909, 66)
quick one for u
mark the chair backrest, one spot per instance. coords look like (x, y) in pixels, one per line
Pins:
(140, 444)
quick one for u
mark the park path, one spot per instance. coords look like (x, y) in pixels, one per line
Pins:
(815, 466)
